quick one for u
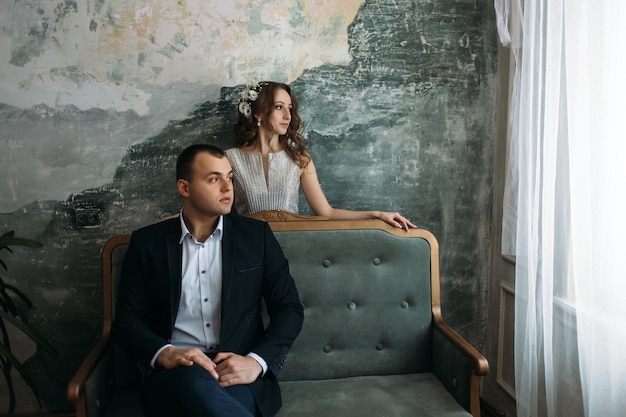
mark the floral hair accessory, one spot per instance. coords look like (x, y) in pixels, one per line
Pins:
(246, 96)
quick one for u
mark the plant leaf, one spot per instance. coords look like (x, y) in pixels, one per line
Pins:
(8, 249)
(30, 332)
(5, 335)
(6, 370)
(20, 294)
(9, 239)
(7, 303)
(6, 241)
(21, 370)
(3, 303)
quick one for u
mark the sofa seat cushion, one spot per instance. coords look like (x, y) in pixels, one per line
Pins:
(411, 395)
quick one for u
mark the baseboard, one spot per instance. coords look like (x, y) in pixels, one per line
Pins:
(488, 410)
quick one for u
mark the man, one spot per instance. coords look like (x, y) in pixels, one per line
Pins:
(189, 302)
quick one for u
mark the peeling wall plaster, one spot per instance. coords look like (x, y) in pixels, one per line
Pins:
(97, 97)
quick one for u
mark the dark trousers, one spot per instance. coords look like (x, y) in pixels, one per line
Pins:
(190, 391)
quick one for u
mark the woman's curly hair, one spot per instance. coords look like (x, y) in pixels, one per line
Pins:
(246, 128)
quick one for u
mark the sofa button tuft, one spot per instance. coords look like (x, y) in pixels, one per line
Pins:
(404, 305)
(326, 263)
(327, 349)
(352, 305)
(379, 346)
(377, 261)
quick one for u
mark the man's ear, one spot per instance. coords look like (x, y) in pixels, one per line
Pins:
(183, 187)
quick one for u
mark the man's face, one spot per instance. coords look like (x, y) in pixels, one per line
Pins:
(210, 191)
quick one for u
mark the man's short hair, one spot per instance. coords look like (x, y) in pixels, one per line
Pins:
(184, 163)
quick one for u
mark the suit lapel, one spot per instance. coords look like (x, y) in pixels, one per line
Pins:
(228, 262)
(174, 265)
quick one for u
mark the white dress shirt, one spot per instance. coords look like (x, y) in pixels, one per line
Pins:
(199, 316)
(199, 309)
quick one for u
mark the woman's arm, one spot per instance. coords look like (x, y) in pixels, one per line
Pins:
(319, 204)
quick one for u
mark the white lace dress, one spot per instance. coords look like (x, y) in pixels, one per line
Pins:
(253, 193)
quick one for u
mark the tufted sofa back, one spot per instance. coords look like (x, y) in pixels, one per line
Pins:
(366, 293)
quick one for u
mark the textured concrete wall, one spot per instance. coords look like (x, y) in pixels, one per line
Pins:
(97, 97)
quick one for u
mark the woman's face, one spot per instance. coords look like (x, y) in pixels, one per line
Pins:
(281, 112)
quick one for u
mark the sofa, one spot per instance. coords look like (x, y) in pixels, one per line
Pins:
(373, 342)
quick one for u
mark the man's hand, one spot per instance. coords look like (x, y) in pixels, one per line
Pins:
(235, 369)
(172, 357)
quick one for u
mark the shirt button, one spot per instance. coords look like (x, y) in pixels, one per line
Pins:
(203, 271)
(206, 299)
(208, 325)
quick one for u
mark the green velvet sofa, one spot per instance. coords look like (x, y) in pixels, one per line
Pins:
(373, 342)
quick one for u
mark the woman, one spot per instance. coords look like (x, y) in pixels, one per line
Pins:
(271, 162)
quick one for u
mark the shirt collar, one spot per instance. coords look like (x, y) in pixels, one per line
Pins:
(218, 232)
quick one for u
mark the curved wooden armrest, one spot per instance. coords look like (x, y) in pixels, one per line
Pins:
(283, 216)
(480, 365)
(77, 383)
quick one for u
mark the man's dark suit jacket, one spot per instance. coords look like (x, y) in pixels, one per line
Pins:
(254, 268)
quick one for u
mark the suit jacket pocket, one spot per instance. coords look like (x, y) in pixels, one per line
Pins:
(249, 269)
(246, 286)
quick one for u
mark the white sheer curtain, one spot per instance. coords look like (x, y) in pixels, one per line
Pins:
(565, 204)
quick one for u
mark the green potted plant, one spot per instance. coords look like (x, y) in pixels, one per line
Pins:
(10, 300)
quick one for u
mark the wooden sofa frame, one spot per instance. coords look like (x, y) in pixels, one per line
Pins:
(96, 383)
